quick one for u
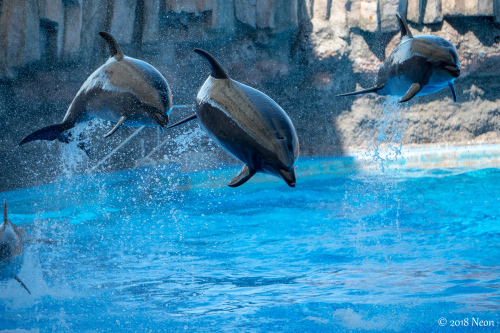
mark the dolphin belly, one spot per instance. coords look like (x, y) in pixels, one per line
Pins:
(228, 134)
(437, 82)
(114, 115)
(396, 86)
(112, 105)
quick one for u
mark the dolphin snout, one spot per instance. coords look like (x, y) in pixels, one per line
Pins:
(288, 176)
(453, 70)
(161, 119)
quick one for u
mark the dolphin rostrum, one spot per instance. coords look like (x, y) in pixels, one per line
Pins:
(420, 65)
(124, 90)
(247, 124)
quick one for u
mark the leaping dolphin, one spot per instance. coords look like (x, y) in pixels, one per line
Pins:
(12, 239)
(124, 90)
(247, 124)
(420, 65)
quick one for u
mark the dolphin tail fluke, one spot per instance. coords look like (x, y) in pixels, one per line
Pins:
(245, 174)
(117, 126)
(412, 92)
(114, 48)
(49, 133)
(217, 71)
(185, 120)
(405, 31)
(289, 176)
(22, 283)
(364, 91)
(453, 91)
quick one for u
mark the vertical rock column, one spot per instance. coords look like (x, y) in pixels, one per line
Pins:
(19, 35)
(151, 21)
(94, 16)
(368, 10)
(223, 16)
(122, 20)
(72, 29)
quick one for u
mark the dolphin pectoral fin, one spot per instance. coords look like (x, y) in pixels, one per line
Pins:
(453, 91)
(414, 89)
(245, 174)
(288, 176)
(22, 283)
(405, 31)
(49, 133)
(185, 120)
(217, 71)
(117, 126)
(114, 48)
(364, 91)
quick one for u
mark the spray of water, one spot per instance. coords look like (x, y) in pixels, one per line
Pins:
(73, 158)
(188, 141)
(387, 145)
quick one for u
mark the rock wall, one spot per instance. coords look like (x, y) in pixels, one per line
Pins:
(34, 30)
(300, 52)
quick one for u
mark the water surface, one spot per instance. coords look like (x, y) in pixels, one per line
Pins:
(143, 250)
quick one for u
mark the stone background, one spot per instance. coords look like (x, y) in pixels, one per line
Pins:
(300, 52)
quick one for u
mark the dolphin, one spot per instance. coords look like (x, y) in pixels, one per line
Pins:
(12, 239)
(124, 90)
(247, 124)
(420, 65)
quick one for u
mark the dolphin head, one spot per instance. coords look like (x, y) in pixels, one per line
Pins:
(441, 54)
(448, 63)
(160, 118)
(9, 240)
(285, 173)
(282, 164)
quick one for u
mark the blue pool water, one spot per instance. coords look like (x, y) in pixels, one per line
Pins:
(147, 250)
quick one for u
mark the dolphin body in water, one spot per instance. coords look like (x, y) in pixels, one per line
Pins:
(420, 65)
(124, 90)
(12, 240)
(247, 124)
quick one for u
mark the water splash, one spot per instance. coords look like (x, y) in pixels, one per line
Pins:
(73, 158)
(187, 141)
(387, 145)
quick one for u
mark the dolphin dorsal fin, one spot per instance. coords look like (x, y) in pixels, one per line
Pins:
(405, 31)
(5, 211)
(217, 71)
(114, 48)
